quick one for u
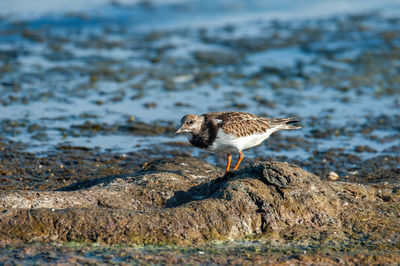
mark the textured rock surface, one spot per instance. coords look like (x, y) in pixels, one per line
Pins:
(187, 201)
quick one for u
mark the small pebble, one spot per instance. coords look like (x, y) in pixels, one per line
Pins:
(332, 176)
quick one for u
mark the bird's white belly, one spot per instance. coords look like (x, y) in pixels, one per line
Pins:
(230, 143)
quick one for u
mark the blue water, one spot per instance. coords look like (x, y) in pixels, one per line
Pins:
(129, 23)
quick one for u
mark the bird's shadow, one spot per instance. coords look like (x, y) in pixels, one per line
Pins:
(87, 184)
(209, 189)
(104, 181)
(199, 192)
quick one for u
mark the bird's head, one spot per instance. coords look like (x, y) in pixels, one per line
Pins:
(190, 124)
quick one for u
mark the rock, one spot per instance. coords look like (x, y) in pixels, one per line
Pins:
(218, 57)
(187, 201)
(364, 148)
(332, 176)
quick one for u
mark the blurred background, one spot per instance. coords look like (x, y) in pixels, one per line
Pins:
(118, 76)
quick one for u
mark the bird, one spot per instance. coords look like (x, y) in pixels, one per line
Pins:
(231, 132)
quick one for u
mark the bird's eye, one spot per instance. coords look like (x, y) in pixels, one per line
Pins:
(191, 122)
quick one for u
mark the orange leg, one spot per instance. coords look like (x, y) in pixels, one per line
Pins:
(239, 160)
(228, 164)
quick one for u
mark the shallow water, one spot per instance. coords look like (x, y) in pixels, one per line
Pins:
(110, 64)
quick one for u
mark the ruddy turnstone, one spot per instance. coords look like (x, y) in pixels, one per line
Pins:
(229, 132)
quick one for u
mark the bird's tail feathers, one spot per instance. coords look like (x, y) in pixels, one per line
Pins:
(284, 123)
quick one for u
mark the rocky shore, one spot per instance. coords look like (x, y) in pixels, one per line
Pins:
(91, 173)
(186, 201)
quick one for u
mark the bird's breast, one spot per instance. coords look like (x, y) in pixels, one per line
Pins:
(230, 142)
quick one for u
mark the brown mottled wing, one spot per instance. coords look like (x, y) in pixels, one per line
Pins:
(238, 123)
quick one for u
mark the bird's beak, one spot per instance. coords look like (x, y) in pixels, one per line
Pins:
(179, 131)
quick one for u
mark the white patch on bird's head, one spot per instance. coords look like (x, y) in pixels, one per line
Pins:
(191, 124)
(218, 121)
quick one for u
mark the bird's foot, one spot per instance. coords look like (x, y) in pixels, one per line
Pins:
(229, 173)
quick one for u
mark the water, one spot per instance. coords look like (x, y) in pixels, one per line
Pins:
(67, 64)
